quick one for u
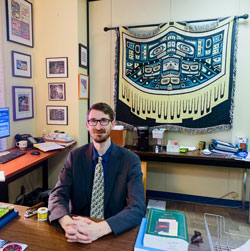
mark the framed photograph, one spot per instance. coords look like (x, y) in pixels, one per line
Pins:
(83, 86)
(22, 97)
(57, 115)
(21, 65)
(19, 15)
(57, 91)
(57, 67)
(83, 56)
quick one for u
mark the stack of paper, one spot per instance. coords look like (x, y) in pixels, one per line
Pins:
(7, 213)
(158, 204)
(48, 146)
(222, 148)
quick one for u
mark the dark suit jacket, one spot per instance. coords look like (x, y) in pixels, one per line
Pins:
(124, 204)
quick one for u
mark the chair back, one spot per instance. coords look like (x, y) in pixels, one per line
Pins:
(144, 175)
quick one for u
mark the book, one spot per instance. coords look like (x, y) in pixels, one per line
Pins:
(48, 146)
(220, 152)
(222, 143)
(8, 217)
(139, 240)
(166, 230)
(9, 245)
(224, 146)
(4, 210)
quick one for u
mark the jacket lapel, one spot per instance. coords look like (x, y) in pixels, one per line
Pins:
(89, 172)
(113, 168)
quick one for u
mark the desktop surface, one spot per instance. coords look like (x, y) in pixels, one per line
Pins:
(22, 165)
(24, 162)
(41, 236)
(192, 157)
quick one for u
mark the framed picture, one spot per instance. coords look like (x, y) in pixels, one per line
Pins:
(19, 15)
(22, 97)
(57, 67)
(57, 91)
(83, 56)
(21, 65)
(57, 115)
(83, 86)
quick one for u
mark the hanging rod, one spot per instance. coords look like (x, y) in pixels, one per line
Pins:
(192, 21)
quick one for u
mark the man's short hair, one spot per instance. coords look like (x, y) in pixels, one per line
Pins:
(102, 107)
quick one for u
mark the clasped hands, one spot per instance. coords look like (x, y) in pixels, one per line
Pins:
(83, 230)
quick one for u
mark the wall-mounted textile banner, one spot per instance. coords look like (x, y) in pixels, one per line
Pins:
(180, 78)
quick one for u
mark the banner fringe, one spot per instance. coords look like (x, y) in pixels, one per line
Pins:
(175, 128)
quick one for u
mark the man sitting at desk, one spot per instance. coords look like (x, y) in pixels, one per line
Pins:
(101, 180)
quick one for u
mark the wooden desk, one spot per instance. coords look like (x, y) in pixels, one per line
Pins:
(40, 236)
(20, 166)
(197, 158)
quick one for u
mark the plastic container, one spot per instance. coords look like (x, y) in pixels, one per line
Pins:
(219, 236)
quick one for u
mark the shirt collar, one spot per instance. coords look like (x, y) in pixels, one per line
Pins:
(105, 156)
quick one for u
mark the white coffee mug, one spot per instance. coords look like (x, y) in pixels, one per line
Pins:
(22, 145)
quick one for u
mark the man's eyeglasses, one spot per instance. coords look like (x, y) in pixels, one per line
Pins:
(103, 122)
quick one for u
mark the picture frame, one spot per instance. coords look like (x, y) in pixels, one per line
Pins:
(83, 56)
(57, 115)
(22, 97)
(56, 91)
(83, 86)
(57, 67)
(21, 65)
(19, 22)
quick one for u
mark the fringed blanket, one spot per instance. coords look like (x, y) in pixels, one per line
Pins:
(180, 78)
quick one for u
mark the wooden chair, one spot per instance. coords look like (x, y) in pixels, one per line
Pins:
(144, 175)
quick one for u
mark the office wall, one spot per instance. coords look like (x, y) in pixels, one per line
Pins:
(185, 179)
(21, 126)
(59, 26)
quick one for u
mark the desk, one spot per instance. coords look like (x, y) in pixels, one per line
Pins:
(197, 158)
(40, 236)
(20, 166)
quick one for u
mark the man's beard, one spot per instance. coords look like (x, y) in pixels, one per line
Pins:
(103, 138)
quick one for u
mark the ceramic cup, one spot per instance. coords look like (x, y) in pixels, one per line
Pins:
(22, 145)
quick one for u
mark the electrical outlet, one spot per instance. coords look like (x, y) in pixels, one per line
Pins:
(235, 195)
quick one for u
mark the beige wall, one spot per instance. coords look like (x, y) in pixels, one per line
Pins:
(59, 26)
(186, 179)
(21, 126)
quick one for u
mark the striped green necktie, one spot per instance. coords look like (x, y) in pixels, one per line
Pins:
(97, 198)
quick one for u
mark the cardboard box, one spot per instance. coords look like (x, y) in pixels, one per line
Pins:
(119, 137)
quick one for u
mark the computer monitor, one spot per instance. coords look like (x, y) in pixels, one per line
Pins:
(4, 122)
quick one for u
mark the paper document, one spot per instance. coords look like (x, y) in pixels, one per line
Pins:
(10, 245)
(66, 144)
(158, 204)
(48, 146)
(2, 176)
(118, 127)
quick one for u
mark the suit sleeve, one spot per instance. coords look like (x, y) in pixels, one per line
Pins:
(135, 209)
(59, 198)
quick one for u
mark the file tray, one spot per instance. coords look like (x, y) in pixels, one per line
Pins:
(220, 238)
